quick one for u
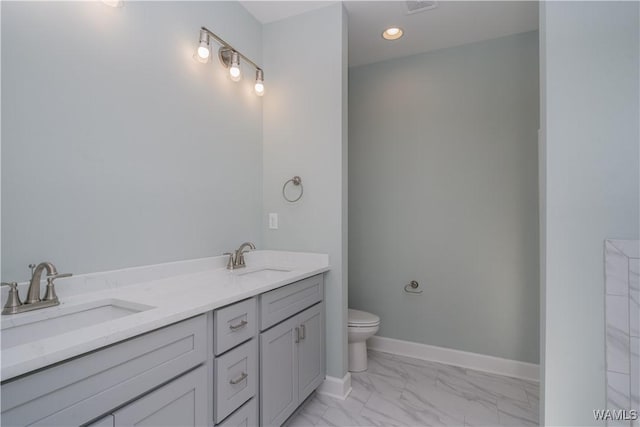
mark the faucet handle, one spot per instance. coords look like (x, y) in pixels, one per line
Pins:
(240, 258)
(59, 276)
(13, 299)
(50, 294)
(230, 262)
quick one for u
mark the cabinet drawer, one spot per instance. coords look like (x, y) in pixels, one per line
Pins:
(75, 391)
(234, 325)
(182, 402)
(235, 379)
(247, 416)
(282, 303)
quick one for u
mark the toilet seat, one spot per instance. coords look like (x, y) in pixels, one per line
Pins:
(362, 319)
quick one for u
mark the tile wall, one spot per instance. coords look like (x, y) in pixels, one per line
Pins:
(622, 316)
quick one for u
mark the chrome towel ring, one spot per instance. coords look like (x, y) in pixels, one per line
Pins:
(296, 181)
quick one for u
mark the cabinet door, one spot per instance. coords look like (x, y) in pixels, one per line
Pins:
(182, 402)
(310, 350)
(278, 376)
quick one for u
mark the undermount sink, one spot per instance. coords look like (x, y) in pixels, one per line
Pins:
(265, 273)
(48, 322)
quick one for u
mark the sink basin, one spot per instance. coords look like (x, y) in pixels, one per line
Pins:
(47, 322)
(265, 273)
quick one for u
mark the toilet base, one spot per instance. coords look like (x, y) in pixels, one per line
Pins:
(358, 356)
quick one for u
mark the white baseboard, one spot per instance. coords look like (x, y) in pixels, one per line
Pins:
(338, 388)
(479, 362)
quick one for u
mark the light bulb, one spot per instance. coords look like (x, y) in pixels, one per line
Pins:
(259, 86)
(234, 70)
(203, 52)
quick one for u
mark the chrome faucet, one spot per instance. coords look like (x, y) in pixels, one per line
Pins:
(236, 259)
(33, 301)
(33, 294)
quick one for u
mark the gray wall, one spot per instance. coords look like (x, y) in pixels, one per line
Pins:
(443, 190)
(590, 118)
(303, 129)
(118, 149)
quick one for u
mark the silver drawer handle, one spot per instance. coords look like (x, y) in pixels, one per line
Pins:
(239, 379)
(303, 332)
(239, 325)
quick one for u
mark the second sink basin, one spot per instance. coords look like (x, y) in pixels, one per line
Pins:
(48, 322)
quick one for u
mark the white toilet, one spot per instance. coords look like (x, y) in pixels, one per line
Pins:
(361, 326)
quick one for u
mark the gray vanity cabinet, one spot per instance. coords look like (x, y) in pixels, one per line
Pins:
(310, 350)
(278, 379)
(74, 392)
(292, 351)
(234, 366)
(235, 379)
(219, 368)
(182, 402)
(246, 416)
(291, 364)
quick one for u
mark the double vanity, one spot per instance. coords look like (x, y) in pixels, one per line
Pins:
(184, 344)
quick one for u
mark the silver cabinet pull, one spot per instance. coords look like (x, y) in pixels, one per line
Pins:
(239, 325)
(239, 379)
(303, 332)
(297, 335)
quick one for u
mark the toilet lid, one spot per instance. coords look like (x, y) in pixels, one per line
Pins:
(361, 318)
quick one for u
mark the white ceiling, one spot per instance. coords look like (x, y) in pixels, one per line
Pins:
(451, 23)
(267, 11)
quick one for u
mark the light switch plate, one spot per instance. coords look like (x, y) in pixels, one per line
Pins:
(273, 221)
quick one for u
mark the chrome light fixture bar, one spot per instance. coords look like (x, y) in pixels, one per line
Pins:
(229, 57)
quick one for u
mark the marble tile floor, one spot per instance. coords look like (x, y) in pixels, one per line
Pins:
(400, 391)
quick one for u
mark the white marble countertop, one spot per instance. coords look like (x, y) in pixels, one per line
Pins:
(176, 291)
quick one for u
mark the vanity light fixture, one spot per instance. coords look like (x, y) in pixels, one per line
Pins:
(203, 53)
(259, 86)
(392, 33)
(234, 69)
(229, 57)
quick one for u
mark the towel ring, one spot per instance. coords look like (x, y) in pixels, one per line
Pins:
(297, 181)
(412, 287)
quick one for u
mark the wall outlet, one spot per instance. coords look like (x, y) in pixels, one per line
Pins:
(273, 221)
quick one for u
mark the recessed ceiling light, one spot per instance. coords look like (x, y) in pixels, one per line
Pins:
(392, 33)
